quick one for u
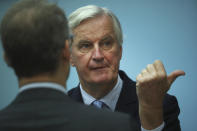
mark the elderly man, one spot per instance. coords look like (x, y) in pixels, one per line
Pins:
(96, 52)
(35, 40)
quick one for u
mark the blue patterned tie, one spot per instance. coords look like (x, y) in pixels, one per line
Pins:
(99, 104)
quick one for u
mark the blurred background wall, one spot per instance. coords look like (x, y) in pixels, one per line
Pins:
(153, 29)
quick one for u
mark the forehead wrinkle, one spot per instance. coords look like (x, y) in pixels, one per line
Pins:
(102, 31)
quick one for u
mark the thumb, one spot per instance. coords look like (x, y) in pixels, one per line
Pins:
(172, 77)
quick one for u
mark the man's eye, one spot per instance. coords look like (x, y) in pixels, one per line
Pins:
(85, 47)
(107, 45)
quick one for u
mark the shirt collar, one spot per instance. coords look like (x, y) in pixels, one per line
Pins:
(48, 85)
(110, 99)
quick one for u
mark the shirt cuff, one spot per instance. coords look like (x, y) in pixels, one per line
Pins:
(159, 128)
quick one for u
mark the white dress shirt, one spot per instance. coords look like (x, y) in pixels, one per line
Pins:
(110, 99)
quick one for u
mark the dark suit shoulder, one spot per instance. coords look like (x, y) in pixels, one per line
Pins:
(171, 113)
(103, 119)
(170, 105)
(169, 99)
(32, 110)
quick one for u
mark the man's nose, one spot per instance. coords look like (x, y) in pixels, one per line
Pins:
(97, 54)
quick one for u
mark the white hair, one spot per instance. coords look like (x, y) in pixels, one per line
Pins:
(92, 11)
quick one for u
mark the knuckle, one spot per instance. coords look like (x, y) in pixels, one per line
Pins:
(138, 77)
(142, 70)
(157, 61)
(162, 75)
(154, 75)
(149, 65)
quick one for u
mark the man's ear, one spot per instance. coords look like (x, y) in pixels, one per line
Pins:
(120, 52)
(72, 62)
(66, 51)
(7, 61)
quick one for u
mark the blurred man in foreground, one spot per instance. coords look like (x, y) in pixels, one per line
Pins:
(35, 38)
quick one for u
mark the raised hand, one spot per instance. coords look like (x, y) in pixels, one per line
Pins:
(152, 85)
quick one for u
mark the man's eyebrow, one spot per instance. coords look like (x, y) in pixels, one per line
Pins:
(84, 41)
(107, 37)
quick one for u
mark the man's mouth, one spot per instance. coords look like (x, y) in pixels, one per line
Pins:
(98, 68)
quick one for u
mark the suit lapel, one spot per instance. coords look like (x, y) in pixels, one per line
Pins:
(128, 102)
(75, 94)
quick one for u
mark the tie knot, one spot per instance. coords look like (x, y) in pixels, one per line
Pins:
(99, 104)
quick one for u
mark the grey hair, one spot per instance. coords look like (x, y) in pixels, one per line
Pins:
(92, 11)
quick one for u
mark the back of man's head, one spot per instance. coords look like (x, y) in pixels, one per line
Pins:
(33, 34)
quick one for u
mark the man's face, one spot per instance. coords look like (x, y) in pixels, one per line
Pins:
(95, 51)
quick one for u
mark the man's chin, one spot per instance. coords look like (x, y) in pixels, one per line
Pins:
(102, 80)
(103, 77)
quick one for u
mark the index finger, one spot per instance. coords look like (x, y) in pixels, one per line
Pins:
(159, 66)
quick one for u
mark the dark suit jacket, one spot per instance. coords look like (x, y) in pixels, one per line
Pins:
(128, 103)
(51, 110)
